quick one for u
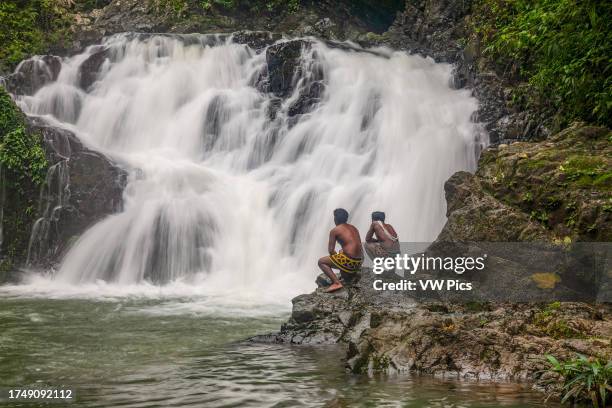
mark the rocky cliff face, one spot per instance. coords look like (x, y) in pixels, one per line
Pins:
(557, 189)
(39, 220)
(338, 20)
(391, 331)
(82, 186)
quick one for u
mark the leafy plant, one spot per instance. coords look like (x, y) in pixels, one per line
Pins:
(30, 27)
(21, 151)
(584, 379)
(181, 7)
(561, 48)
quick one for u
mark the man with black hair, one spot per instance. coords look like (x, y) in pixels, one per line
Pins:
(381, 238)
(350, 258)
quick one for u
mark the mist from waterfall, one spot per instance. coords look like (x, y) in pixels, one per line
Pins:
(228, 199)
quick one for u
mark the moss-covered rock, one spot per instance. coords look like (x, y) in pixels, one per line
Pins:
(563, 183)
(23, 166)
(476, 215)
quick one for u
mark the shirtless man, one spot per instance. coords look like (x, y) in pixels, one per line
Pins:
(381, 239)
(350, 258)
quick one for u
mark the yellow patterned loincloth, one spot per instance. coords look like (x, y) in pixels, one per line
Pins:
(345, 263)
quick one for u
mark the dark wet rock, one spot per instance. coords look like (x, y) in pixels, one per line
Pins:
(122, 16)
(309, 96)
(82, 187)
(431, 28)
(32, 74)
(257, 40)
(502, 342)
(338, 20)
(90, 68)
(287, 73)
(283, 61)
(390, 332)
(329, 318)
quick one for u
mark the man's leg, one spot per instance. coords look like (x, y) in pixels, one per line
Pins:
(326, 264)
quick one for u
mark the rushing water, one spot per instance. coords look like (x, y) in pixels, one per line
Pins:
(168, 352)
(227, 209)
(223, 195)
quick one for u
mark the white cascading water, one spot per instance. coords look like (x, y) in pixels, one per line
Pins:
(226, 200)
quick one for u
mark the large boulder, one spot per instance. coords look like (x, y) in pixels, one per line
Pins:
(52, 188)
(431, 27)
(258, 40)
(540, 211)
(32, 74)
(82, 187)
(284, 69)
(90, 68)
(475, 215)
(286, 76)
(562, 183)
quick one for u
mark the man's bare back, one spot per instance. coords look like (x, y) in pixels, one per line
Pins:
(381, 239)
(349, 239)
(381, 235)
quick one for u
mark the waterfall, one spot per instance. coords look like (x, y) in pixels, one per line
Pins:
(232, 186)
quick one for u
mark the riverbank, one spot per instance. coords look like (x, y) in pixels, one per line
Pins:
(394, 332)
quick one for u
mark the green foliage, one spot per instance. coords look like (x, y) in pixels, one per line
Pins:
(20, 151)
(562, 48)
(181, 7)
(584, 379)
(18, 35)
(587, 171)
(30, 27)
(23, 167)
(552, 325)
(207, 4)
(10, 116)
(290, 6)
(174, 7)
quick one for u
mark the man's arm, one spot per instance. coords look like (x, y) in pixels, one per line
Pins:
(331, 245)
(379, 232)
(370, 235)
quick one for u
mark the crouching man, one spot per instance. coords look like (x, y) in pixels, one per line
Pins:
(350, 258)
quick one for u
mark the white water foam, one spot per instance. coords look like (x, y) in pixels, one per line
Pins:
(226, 203)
